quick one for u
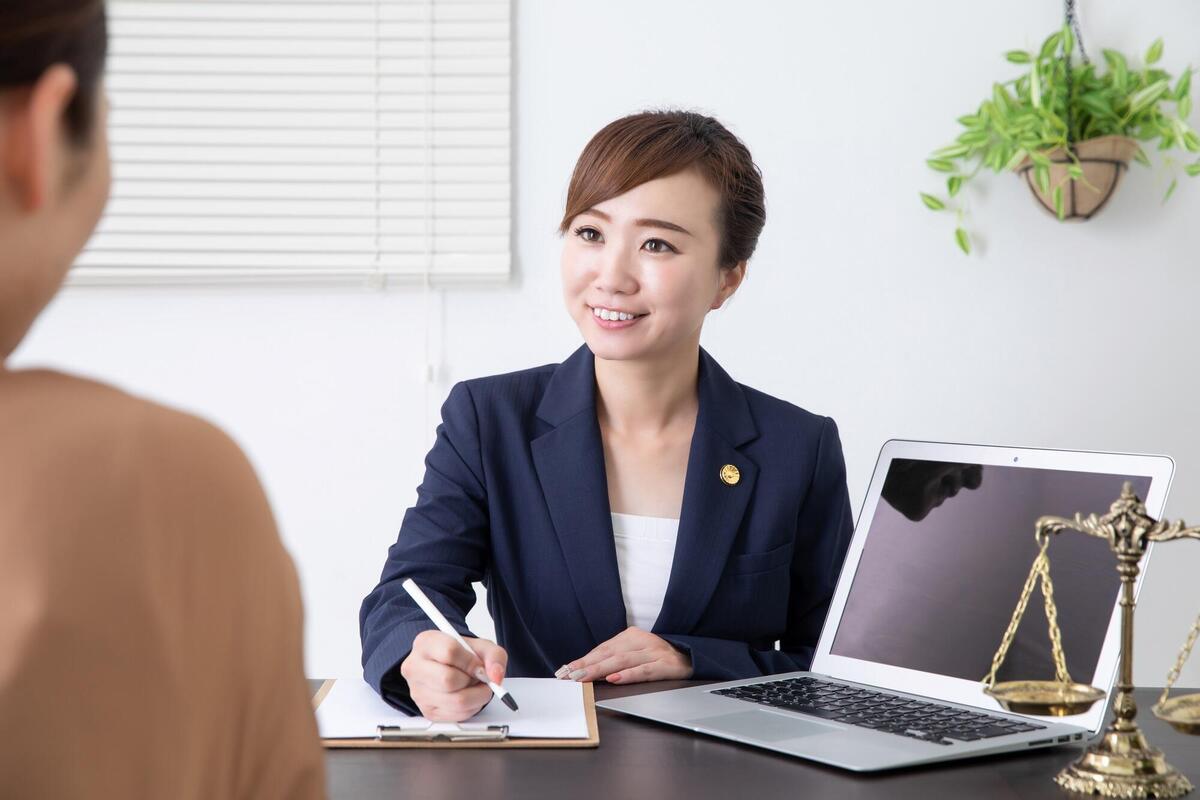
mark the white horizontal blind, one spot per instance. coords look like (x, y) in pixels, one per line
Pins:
(306, 139)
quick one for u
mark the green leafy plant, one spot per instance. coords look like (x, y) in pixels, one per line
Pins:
(1042, 110)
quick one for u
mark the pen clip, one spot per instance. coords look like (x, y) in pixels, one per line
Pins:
(438, 732)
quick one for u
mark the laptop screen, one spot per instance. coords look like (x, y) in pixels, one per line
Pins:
(947, 552)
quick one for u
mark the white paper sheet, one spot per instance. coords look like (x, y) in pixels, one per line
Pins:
(549, 709)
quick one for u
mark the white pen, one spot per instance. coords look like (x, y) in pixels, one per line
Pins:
(445, 627)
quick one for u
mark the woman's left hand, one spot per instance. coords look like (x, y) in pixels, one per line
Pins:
(632, 656)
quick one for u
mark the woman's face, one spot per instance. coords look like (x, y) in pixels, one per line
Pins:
(640, 270)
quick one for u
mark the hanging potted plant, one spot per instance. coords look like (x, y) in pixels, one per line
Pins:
(1069, 131)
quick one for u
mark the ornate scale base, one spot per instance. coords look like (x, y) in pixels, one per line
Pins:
(1123, 764)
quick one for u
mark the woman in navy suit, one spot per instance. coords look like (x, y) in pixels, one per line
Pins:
(634, 513)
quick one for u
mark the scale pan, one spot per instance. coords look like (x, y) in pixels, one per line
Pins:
(1045, 698)
(1181, 713)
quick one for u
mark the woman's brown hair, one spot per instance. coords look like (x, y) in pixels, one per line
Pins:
(37, 34)
(641, 147)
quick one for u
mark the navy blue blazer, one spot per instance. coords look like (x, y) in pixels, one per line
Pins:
(515, 496)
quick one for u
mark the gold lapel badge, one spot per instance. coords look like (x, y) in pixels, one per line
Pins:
(730, 475)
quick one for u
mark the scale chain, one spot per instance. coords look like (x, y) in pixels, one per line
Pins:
(1060, 658)
(1019, 612)
(1039, 569)
(1180, 660)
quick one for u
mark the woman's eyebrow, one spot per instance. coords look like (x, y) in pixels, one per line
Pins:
(645, 222)
(661, 223)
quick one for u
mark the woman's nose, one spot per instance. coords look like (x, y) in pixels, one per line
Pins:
(614, 274)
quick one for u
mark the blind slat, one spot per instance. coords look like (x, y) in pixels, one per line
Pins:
(314, 119)
(240, 101)
(152, 263)
(342, 174)
(237, 11)
(228, 137)
(222, 225)
(240, 155)
(218, 193)
(285, 244)
(185, 83)
(311, 209)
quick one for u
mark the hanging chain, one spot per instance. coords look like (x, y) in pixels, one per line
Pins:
(1035, 572)
(1180, 660)
(1073, 22)
(1069, 18)
(1060, 658)
(1039, 570)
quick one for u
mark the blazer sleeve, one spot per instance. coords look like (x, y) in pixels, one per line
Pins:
(442, 545)
(823, 531)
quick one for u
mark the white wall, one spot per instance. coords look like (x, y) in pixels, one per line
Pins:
(858, 305)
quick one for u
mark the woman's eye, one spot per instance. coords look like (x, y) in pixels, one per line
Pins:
(588, 234)
(658, 246)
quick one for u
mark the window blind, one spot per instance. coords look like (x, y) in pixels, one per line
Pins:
(306, 139)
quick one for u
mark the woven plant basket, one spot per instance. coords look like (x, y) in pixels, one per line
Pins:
(1103, 159)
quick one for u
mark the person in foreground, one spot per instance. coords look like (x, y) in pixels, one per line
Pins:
(635, 514)
(150, 619)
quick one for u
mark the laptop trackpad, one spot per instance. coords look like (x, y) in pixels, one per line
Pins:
(762, 725)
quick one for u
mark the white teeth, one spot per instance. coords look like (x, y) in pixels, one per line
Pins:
(612, 316)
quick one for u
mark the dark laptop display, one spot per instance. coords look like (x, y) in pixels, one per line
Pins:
(949, 549)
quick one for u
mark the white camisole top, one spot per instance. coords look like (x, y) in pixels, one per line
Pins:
(645, 552)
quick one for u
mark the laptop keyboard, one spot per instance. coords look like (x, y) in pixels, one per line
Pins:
(888, 713)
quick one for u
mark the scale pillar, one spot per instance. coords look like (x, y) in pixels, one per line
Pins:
(1123, 763)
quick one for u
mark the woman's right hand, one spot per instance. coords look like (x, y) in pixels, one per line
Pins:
(446, 682)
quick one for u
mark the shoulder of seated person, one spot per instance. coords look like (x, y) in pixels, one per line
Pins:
(25, 385)
(520, 390)
(778, 415)
(40, 403)
(83, 414)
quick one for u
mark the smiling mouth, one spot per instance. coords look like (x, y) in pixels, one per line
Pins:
(613, 315)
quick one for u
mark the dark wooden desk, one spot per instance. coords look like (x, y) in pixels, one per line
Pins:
(638, 759)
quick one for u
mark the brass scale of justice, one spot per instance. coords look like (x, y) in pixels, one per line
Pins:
(1122, 763)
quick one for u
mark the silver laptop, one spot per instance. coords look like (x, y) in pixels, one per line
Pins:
(934, 569)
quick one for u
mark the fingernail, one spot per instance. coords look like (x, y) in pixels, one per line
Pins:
(561, 672)
(481, 676)
(577, 674)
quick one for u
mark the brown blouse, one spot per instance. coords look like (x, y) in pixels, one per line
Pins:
(150, 619)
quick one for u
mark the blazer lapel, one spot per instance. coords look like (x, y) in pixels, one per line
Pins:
(570, 466)
(712, 508)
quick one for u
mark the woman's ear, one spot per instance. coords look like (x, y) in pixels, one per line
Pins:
(33, 141)
(731, 279)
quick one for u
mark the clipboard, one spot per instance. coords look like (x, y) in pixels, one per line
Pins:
(464, 736)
